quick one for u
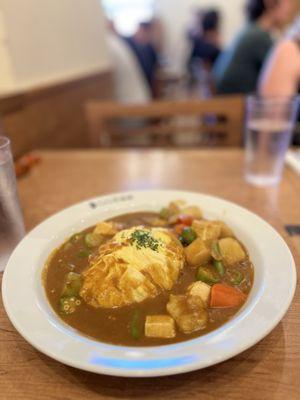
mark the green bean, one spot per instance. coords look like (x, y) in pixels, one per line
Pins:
(215, 251)
(73, 285)
(135, 332)
(219, 267)
(68, 305)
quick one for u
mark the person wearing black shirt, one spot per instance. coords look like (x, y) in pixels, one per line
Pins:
(144, 50)
(205, 44)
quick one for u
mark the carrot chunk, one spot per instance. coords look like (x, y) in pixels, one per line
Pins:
(224, 296)
(185, 219)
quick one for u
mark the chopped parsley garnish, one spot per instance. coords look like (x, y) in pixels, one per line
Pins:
(144, 239)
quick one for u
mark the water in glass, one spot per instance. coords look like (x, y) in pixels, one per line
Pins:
(266, 145)
(269, 126)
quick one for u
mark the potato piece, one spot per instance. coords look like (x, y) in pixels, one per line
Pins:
(106, 229)
(200, 289)
(207, 230)
(231, 251)
(225, 230)
(190, 316)
(197, 253)
(160, 326)
(176, 206)
(192, 211)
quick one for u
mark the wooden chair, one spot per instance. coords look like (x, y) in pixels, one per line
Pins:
(215, 122)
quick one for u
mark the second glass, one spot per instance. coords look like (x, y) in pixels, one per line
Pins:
(11, 220)
(269, 126)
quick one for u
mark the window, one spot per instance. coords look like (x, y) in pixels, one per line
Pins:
(126, 14)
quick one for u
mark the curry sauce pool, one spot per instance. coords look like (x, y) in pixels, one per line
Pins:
(182, 277)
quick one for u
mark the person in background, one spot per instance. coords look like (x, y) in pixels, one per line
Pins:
(281, 74)
(206, 42)
(130, 85)
(238, 69)
(142, 46)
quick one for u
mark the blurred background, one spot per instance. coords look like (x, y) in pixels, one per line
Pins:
(68, 65)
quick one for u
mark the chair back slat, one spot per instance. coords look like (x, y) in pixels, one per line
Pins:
(214, 122)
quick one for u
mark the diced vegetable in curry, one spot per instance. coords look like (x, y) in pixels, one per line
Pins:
(149, 279)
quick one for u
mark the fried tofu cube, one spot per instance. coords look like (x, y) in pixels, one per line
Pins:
(231, 251)
(192, 211)
(200, 289)
(207, 230)
(189, 312)
(106, 229)
(197, 253)
(160, 326)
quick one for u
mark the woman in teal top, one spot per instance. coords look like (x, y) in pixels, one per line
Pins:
(237, 70)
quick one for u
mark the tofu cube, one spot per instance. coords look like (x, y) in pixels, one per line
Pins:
(207, 230)
(200, 289)
(160, 326)
(197, 253)
(231, 251)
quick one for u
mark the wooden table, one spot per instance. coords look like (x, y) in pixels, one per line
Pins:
(269, 370)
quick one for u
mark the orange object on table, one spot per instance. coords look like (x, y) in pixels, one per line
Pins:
(25, 163)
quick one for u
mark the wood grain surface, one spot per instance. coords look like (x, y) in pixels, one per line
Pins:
(269, 370)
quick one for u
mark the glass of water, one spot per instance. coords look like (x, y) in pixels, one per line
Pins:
(11, 220)
(269, 126)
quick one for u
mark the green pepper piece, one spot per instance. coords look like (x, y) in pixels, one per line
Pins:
(205, 275)
(135, 332)
(68, 305)
(219, 267)
(187, 236)
(92, 239)
(73, 285)
(83, 253)
(237, 279)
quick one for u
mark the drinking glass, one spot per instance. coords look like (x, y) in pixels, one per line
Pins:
(11, 221)
(269, 126)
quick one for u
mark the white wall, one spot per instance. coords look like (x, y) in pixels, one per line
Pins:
(52, 40)
(176, 15)
(6, 74)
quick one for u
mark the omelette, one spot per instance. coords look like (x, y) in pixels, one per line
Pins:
(136, 264)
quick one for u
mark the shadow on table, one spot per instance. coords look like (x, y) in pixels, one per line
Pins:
(241, 372)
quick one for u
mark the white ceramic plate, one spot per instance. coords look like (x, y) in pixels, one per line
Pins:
(27, 307)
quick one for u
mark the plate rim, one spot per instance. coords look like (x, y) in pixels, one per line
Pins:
(166, 371)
